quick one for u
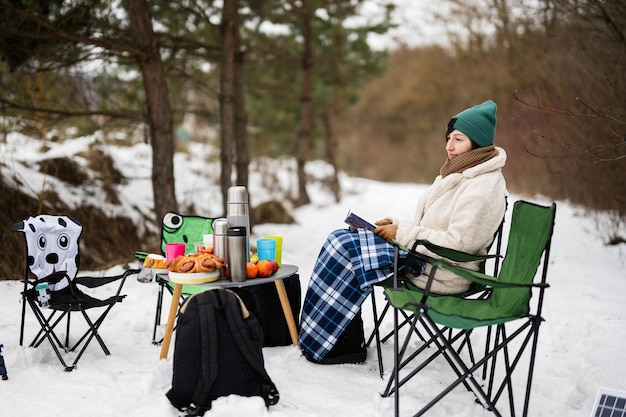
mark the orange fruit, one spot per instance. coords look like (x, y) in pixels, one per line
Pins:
(265, 268)
(251, 270)
(274, 266)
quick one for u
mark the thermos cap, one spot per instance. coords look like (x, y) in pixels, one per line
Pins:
(237, 194)
(220, 226)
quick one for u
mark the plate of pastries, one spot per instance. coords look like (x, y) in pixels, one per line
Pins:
(197, 268)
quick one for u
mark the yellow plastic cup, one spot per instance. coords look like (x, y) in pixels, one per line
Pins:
(279, 248)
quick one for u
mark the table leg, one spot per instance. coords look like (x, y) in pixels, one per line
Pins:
(284, 302)
(171, 317)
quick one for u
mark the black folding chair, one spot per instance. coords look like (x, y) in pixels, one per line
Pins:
(51, 286)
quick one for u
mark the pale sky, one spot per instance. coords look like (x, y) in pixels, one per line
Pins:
(415, 20)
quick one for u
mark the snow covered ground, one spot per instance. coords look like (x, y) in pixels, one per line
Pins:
(582, 343)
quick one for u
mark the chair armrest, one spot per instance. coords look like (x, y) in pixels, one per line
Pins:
(399, 245)
(93, 282)
(484, 279)
(448, 253)
(452, 254)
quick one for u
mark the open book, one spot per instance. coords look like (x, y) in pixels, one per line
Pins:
(357, 221)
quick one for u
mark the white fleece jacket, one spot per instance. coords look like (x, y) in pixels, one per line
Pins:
(461, 211)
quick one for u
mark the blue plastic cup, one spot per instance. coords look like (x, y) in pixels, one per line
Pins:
(266, 248)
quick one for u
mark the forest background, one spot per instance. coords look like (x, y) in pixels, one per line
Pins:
(302, 79)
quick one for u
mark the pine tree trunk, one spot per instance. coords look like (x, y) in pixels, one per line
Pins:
(158, 107)
(306, 102)
(227, 94)
(241, 120)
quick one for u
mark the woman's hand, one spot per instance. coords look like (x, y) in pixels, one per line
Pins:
(387, 231)
(383, 222)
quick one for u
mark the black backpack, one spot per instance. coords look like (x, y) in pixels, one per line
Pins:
(218, 352)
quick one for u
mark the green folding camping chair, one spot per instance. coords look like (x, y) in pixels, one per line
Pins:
(177, 228)
(449, 320)
(476, 289)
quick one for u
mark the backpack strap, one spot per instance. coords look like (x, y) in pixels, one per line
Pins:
(207, 301)
(253, 354)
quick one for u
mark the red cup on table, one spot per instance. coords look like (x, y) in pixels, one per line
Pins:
(174, 250)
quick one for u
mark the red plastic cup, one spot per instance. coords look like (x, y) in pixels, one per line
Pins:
(173, 250)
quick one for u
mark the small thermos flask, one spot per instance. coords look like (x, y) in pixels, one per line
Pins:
(237, 253)
(237, 211)
(220, 244)
(42, 295)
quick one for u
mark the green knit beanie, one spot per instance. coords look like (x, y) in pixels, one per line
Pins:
(478, 122)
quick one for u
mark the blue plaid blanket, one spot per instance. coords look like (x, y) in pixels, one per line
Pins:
(349, 262)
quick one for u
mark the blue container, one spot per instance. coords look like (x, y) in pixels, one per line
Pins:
(266, 248)
(3, 368)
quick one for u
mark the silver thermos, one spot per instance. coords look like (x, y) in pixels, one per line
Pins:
(220, 244)
(238, 213)
(237, 253)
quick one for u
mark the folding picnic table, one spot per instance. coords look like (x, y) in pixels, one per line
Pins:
(285, 271)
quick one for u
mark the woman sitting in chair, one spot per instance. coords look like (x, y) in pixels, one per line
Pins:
(461, 210)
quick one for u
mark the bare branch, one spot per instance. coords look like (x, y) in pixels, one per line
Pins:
(587, 150)
(568, 112)
(124, 114)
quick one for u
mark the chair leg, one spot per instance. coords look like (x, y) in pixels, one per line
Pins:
(93, 329)
(157, 320)
(396, 364)
(23, 320)
(47, 332)
(399, 360)
(501, 345)
(403, 361)
(465, 374)
(407, 318)
(531, 366)
(487, 345)
(378, 319)
(531, 337)
(157, 315)
(47, 327)
(67, 329)
(445, 346)
(376, 334)
(90, 335)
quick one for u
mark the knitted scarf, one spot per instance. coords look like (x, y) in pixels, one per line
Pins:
(467, 160)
